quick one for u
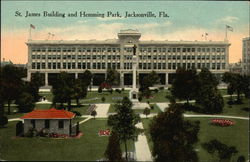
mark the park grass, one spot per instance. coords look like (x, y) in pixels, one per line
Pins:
(232, 110)
(95, 97)
(160, 96)
(155, 110)
(236, 135)
(137, 111)
(89, 147)
(81, 109)
(47, 95)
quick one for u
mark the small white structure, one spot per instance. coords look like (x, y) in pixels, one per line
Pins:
(52, 120)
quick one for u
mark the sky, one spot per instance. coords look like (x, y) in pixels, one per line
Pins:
(188, 20)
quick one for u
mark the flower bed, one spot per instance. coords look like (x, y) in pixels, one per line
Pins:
(104, 132)
(222, 122)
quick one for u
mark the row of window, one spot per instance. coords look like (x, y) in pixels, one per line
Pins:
(129, 57)
(47, 123)
(127, 65)
(150, 49)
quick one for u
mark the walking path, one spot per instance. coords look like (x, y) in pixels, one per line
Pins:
(83, 121)
(162, 106)
(215, 116)
(141, 147)
(102, 110)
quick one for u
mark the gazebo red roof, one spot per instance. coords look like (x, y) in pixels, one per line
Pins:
(49, 114)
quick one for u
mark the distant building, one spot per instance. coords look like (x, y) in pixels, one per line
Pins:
(52, 120)
(235, 67)
(246, 56)
(51, 57)
(3, 63)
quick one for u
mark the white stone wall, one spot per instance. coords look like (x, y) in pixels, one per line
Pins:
(54, 125)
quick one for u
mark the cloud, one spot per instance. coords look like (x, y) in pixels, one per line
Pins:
(228, 19)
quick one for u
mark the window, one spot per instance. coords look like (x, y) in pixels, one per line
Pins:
(46, 123)
(64, 65)
(58, 65)
(60, 124)
(33, 123)
(43, 65)
(33, 65)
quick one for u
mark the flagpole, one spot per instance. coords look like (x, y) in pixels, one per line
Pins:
(30, 33)
(226, 33)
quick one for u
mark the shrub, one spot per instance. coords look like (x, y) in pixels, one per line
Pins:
(156, 90)
(3, 121)
(111, 91)
(118, 90)
(241, 159)
(19, 128)
(103, 99)
(100, 89)
(146, 112)
(31, 133)
(148, 102)
(122, 89)
(152, 107)
(140, 98)
(77, 113)
(161, 88)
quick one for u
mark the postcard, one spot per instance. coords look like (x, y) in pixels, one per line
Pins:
(81, 62)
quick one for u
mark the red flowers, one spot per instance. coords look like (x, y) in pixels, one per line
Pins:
(55, 135)
(222, 122)
(105, 85)
(104, 132)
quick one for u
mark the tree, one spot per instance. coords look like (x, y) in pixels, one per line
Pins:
(208, 97)
(237, 83)
(223, 151)
(25, 102)
(37, 80)
(173, 137)
(123, 123)
(79, 90)
(113, 151)
(63, 90)
(87, 77)
(93, 113)
(113, 77)
(146, 112)
(11, 83)
(3, 121)
(150, 80)
(185, 83)
(99, 89)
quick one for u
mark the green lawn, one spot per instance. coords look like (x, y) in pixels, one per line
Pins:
(47, 95)
(90, 147)
(233, 110)
(82, 109)
(236, 135)
(157, 97)
(95, 97)
(155, 110)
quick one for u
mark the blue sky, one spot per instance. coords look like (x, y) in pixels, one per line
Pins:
(188, 20)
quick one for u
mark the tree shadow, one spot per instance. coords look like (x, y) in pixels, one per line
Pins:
(247, 109)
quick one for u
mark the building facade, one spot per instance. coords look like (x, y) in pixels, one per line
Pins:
(246, 56)
(164, 57)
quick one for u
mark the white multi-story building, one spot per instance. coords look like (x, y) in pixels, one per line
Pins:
(246, 56)
(164, 57)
